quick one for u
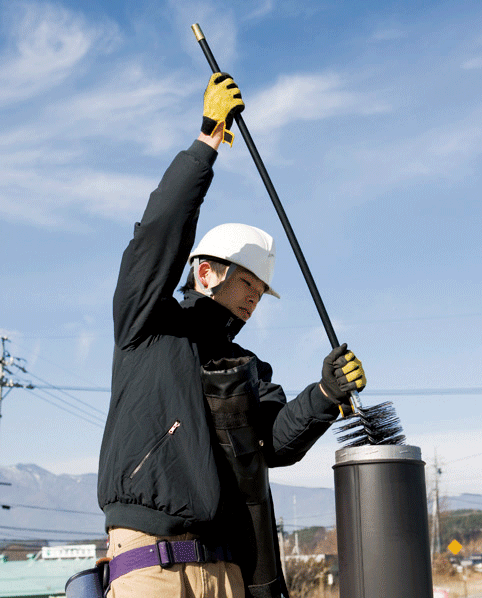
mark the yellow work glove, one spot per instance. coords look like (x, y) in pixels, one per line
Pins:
(342, 372)
(222, 100)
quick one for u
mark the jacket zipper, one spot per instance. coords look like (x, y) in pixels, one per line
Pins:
(171, 431)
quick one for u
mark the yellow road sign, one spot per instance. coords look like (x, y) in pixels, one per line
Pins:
(455, 547)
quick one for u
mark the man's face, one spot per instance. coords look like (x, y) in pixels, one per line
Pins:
(241, 293)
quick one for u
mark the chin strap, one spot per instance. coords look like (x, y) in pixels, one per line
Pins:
(213, 290)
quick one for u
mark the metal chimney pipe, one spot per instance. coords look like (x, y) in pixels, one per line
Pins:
(382, 522)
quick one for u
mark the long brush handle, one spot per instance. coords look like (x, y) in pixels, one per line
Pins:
(280, 211)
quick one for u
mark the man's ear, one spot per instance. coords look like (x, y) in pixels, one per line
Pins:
(203, 273)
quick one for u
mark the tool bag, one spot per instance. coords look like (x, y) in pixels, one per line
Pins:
(231, 390)
(91, 583)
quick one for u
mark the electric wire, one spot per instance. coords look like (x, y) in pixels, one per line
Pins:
(64, 409)
(465, 458)
(36, 543)
(51, 362)
(70, 405)
(53, 387)
(97, 421)
(56, 510)
(467, 502)
(412, 392)
(81, 388)
(326, 527)
(96, 334)
(399, 392)
(50, 531)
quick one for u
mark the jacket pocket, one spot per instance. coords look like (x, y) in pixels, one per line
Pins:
(153, 449)
(243, 441)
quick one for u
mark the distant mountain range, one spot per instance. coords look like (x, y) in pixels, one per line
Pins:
(64, 507)
(48, 506)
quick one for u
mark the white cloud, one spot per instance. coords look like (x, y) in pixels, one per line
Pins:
(9, 334)
(446, 151)
(49, 176)
(260, 10)
(112, 195)
(267, 313)
(129, 107)
(218, 25)
(308, 97)
(473, 63)
(47, 170)
(42, 169)
(46, 43)
(313, 342)
(84, 343)
(46, 165)
(35, 354)
(388, 34)
(128, 93)
(47, 199)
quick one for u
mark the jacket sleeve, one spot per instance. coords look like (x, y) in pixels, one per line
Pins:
(291, 428)
(154, 260)
(300, 423)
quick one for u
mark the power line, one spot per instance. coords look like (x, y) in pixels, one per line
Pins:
(394, 392)
(53, 387)
(427, 391)
(412, 391)
(56, 510)
(29, 543)
(49, 531)
(464, 458)
(465, 501)
(69, 404)
(52, 363)
(367, 392)
(91, 335)
(82, 388)
(64, 409)
(6, 361)
(461, 477)
(103, 334)
(298, 526)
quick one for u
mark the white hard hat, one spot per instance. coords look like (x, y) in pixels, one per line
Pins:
(243, 245)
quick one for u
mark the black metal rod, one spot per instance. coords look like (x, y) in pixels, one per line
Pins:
(276, 201)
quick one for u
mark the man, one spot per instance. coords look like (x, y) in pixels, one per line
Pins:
(194, 420)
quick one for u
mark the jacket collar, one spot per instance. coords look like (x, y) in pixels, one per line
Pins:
(221, 321)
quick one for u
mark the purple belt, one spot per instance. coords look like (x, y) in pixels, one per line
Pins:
(165, 554)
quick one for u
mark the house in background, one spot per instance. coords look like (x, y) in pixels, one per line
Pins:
(45, 574)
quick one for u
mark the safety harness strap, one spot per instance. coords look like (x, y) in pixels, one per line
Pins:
(165, 554)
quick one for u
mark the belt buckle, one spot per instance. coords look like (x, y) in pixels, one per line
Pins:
(200, 553)
(168, 553)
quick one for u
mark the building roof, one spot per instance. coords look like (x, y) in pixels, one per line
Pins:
(39, 577)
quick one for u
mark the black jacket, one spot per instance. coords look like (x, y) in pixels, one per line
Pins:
(158, 472)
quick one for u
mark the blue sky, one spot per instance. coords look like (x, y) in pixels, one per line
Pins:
(368, 116)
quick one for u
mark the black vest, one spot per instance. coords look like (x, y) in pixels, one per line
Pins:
(231, 389)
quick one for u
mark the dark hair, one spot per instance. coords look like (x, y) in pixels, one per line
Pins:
(219, 267)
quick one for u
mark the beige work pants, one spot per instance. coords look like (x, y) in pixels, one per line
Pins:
(190, 580)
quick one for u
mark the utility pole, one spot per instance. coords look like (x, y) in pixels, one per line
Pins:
(6, 361)
(3, 363)
(296, 547)
(435, 547)
(281, 541)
